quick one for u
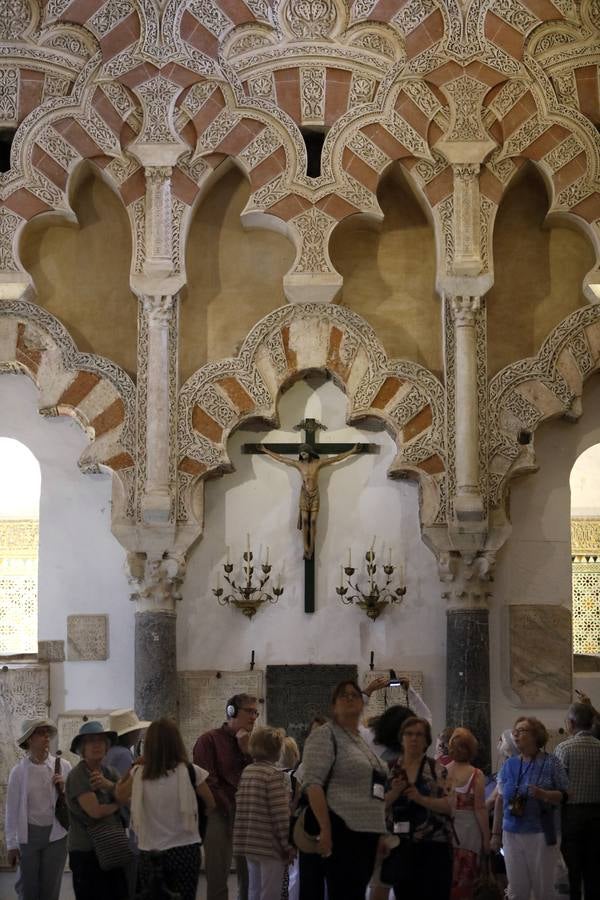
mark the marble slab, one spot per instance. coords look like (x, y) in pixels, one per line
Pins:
(202, 698)
(87, 637)
(51, 651)
(296, 694)
(541, 654)
(380, 700)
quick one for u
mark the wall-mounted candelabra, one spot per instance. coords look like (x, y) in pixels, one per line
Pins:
(247, 593)
(374, 597)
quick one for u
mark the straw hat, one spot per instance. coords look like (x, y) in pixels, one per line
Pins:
(28, 726)
(125, 720)
(94, 728)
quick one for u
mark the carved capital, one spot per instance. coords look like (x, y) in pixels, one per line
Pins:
(465, 172)
(465, 310)
(156, 579)
(467, 579)
(158, 174)
(159, 308)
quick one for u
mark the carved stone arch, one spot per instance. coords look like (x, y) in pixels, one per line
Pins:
(96, 392)
(50, 144)
(529, 392)
(296, 339)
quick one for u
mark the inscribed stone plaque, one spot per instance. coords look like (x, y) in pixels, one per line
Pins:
(380, 700)
(51, 651)
(296, 694)
(202, 698)
(69, 723)
(541, 654)
(87, 637)
(24, 694)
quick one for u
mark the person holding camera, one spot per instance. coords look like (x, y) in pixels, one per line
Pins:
(531, 787)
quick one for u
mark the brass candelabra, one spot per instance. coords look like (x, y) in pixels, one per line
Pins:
(374, 598)
(249, 594)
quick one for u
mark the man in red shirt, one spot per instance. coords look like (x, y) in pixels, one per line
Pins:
(223, 752)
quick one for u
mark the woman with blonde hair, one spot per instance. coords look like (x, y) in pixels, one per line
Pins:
(262, 815)
(164, 810)
(471, 822)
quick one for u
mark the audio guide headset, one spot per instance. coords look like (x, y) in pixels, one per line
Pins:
(231, 710)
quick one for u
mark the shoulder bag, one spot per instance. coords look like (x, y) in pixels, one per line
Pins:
(61, 810)
(110, 842)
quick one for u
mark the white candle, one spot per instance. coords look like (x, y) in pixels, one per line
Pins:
(373, 544)
(349, 558)
(247, 542)
(401, 575)
(389, 556)
(341, 576)
(228, 560)
(267, 561)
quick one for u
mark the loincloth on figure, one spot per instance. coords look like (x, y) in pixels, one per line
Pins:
(309, 502)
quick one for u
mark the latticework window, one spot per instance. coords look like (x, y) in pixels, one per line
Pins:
(19, 540)
(585, 544)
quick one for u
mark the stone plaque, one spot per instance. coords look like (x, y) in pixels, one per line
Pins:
(51, 651)
(69, 723)
(541, 654)
(24, 694)
(87, 637)
(380, 700)
(202, 698)
(296, 694)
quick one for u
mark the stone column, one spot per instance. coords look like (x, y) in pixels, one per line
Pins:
(467, 655)
(157, 375)
(466, 409)
(157, 582)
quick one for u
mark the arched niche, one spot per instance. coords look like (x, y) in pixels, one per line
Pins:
(585, 554)
(20, 480)
(234, 276)
(81, 270)
(538, 272)
(389, 273)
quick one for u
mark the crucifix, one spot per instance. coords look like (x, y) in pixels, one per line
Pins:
(308, 464)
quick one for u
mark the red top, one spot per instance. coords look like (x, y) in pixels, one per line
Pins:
(219, 753)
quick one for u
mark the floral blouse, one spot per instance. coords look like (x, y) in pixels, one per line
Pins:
(424, 824)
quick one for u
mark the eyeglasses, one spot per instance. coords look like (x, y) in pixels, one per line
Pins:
(518, 731)
(251, 710)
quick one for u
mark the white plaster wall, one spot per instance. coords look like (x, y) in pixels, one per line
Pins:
(81, 565)
(358, 501)
(585, 483)
(535, 564)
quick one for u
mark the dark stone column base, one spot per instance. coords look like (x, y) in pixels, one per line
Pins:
(155, 665)
(468, 676)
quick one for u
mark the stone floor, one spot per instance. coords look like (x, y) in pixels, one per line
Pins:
(7, 891)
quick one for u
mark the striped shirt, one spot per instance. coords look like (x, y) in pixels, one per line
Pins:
(350, 788)
(262, 812)
(580, 755)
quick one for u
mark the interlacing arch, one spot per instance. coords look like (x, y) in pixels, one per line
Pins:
(291, 341)
(96, 392)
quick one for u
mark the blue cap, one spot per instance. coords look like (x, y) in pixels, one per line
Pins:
(91, 728)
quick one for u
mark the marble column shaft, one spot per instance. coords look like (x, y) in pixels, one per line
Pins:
(155, 664)
(468, 676)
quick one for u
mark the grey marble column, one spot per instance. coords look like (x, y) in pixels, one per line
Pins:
(468, 675)
(155, 664)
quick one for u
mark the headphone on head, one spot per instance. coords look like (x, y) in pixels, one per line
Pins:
(231, 710)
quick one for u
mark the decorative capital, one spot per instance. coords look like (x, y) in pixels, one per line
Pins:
(468, 579)
(158, 174)
(466, 172)
(464, 310)
(159, 308)
(156, 580)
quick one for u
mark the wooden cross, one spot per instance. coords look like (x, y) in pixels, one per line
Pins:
(310, 428)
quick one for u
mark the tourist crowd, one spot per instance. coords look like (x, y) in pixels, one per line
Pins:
(369, 810)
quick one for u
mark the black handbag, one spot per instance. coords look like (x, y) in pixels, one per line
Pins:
(61, 811)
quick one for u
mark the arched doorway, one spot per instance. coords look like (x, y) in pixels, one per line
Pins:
(585, 550)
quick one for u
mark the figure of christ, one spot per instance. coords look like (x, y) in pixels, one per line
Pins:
(309, 464)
